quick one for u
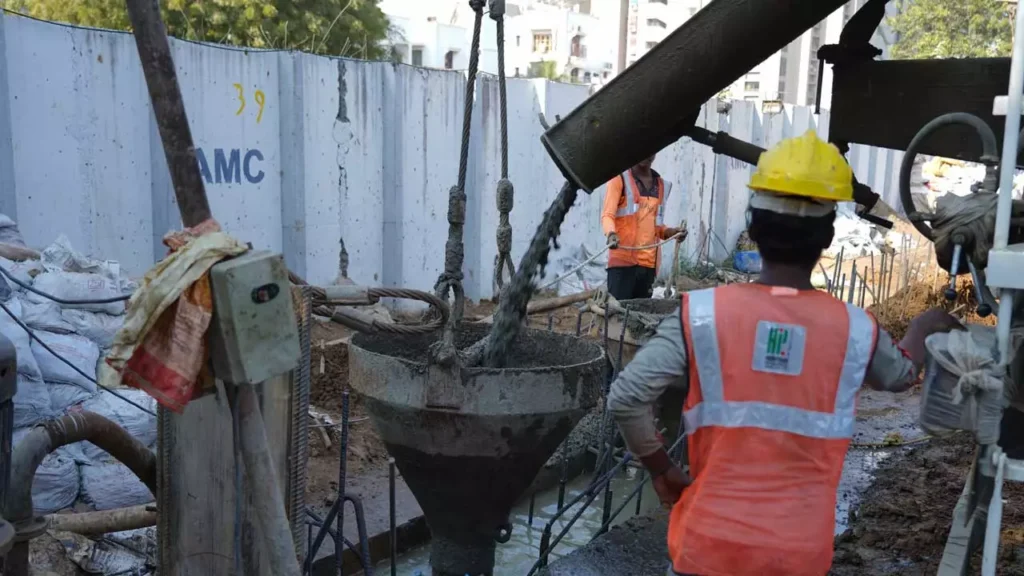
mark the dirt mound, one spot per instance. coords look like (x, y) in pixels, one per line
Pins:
(895, 314)
(901, 525)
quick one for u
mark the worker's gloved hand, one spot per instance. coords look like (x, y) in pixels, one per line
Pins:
(670, 232)
(669, 486)
(924, 325)
(613, 240)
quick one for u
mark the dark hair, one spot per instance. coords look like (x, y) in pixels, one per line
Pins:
(789, 239)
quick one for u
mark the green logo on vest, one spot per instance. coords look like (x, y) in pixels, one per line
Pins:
(778, 342)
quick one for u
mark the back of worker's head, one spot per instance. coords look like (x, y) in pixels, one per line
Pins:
(793, 206)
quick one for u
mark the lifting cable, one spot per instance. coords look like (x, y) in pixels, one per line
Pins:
(505, 193)
(450, 280)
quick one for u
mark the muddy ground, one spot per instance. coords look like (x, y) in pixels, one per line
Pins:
(901, 524)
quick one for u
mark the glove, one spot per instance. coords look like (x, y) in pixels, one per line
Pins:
(613, 240)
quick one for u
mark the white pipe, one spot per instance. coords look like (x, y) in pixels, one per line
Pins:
(990, 548)
(1011, 133)
(1005, 318)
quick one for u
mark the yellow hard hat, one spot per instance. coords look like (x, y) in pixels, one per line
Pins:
(805, 166)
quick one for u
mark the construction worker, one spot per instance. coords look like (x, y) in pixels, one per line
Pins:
(771, 371)
(633, 216)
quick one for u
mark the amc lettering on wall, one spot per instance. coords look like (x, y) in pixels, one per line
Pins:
(232, 165)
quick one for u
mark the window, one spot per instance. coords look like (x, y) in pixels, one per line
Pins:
(517, 40)
(417, 56)
(449, 59)
(692, 12)
(651, 45)
(655, 23)
(751, 86)
(542, 42)
(517, 71)
(782, 66)
(665, 2)
(576, 49)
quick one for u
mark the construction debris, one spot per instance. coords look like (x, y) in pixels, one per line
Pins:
(50, 385)
(894, 315)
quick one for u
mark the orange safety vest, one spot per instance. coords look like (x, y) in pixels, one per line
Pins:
(769, 413)
(638, 222)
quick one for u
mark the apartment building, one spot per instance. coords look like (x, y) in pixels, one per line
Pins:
(794, 75)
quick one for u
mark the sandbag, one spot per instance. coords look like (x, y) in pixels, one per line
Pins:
(19, 337)
(32, 402)
(139, 424)
(24, 271)
(76, 349)
(65, 396)
(963, 387)
(45, 316)
(56, 483)
(9, 233)
(113, 485)
(98, 327)
(77, 286)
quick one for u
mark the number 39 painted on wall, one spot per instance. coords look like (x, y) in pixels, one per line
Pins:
(258, 96)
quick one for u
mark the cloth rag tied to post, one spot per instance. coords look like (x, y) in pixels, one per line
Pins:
(161, 349)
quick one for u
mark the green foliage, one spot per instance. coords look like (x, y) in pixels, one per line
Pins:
(545, 69)
(354, 28)
(952, 29)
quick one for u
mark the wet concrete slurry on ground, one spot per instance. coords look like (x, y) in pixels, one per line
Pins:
(638, 547)
(517, 556)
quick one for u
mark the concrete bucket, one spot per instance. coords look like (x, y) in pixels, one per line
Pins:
(469, 441)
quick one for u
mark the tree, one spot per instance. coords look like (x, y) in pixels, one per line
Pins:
(354, 28)
(952, 29)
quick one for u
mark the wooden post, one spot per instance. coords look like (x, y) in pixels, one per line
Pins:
(195, 462)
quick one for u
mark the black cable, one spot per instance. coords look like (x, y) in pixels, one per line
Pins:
(33, 336)
(111, 300)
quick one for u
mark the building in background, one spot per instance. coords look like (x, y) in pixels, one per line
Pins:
(556, 40)
(591, 41)
(793, 75)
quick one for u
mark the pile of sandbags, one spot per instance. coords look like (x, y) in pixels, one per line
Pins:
(78, 332)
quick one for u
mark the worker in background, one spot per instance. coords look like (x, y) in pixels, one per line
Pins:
(771, 372)
(633, 216)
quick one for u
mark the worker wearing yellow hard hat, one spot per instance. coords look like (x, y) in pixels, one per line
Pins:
(771, 371)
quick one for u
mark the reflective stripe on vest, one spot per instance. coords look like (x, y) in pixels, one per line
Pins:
(630, 194)
(661, 205)
(714, 410)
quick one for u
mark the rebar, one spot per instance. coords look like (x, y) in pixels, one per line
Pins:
(392, 522)
(339, 548)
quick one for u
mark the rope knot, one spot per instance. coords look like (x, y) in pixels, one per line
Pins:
(505, 195)
(456, 206)
(504, 238)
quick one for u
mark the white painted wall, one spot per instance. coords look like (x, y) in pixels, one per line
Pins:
(363, 152)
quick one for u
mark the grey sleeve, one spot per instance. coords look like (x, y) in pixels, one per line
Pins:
(659, 364)
(890, 369)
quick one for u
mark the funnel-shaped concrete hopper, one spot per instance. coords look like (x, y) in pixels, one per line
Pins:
(468, 442)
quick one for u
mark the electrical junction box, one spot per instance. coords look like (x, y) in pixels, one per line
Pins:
(254, 335)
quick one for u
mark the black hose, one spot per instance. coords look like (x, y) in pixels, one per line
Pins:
(44, 439)
(989, 157)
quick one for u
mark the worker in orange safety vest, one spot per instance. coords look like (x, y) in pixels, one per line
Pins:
(634, 216)
(771, 371)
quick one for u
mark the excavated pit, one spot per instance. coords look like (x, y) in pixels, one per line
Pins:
(469, 441)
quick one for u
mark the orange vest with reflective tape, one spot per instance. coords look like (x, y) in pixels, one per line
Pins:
(770, 413)
(637, 222)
